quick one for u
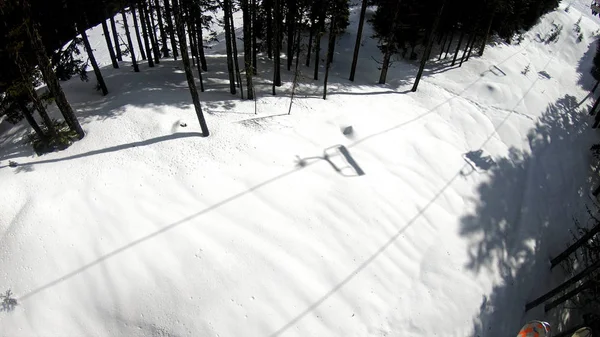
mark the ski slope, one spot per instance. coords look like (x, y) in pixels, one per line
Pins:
(435, 216)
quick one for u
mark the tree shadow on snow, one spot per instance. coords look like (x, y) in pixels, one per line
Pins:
(584, 67)
(522, 216)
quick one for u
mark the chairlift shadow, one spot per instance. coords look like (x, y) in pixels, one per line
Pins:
(340, 160)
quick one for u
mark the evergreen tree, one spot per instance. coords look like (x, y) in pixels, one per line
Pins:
(47, 72)
(161, 27)
(427, 51)
(145, 34)
(170, 28)
(276, 45)
(179, 22)
(236, 59)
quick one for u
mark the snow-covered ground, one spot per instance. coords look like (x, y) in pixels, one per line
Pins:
(434, 217)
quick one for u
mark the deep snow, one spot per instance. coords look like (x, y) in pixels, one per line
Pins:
(267, 229)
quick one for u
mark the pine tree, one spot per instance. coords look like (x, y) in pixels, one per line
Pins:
(248, 48)
(267, 4)
(48, 73)
(92, 58)
(29, 117)
(321, 28)
(227, 21)
(137, 31)
(254, 38)
(136, 68)
(150, 30)
(109, 45)
(311, 33)
(363, 11)
(113, 26)
(179, 22)
(199, 21)
(291, 27)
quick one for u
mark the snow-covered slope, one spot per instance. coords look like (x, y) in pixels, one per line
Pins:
(435, 216)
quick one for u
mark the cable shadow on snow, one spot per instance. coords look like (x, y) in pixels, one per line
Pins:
(521, 216)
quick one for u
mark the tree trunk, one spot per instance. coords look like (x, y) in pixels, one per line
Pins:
(321, 28)
(254, 43)
(49, 75)
(329, 58)
(296, 73)
(593, 110)
(429, 45)
(276, 46)
(449, 43)
(385, 64)
(188, 70)
(145, 33)
(269, 13)
(236, 59)
(291, 25)
(595, 86)
(29, 117)
(201, 41)
(230, 70)
(487, 32)
(90, 52)
(192, 34)
(248, 48)
(469, 41)
(460, 39)
(137, 31)
(136, 68)
(109, 44)
(113, 26)
(311, 35)
(443, 46)
(39, 106)
(171, 29)
(471, 48)
(363, 11)
(161, 27)
(145, 8)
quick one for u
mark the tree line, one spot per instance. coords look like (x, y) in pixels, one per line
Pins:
(35, 31)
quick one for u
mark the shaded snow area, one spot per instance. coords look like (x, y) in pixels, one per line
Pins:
(434, 215)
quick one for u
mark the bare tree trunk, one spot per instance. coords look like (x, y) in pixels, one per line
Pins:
(109, 44)
(291, 25)
(29, 117)
(487, 32)
(449, 43)
(321, 28)
(171, 29)
(188, 70)
(161, 27)
(145, 33)
(192, 35)
(236, 59)
(276, 46)
(311, 34)
(137, 31)
(144, 8)
(471, 48)
(385, 65)
(113, 25)
(90, 52)
(445, 40)
(201, 41)
(39, 106)
(230, 70)
(363, 11)
(248, 48)
(329, 58)
(460, 39)
(469, 42)
(48, 73)
(429, 45)
(254, 43)
(136, 68)
(269, 10)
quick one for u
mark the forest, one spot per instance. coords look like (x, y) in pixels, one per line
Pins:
(42, 40)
